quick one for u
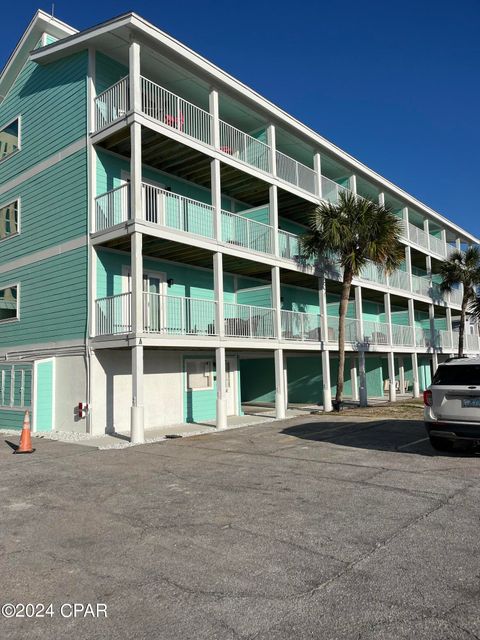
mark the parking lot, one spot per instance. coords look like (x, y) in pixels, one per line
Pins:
(316, 527)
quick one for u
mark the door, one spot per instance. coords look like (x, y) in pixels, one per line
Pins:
(154, 300)
(231, 385)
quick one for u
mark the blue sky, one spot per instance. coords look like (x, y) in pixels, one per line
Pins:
(394, 84)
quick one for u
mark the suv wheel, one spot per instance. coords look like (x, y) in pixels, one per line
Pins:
(441, 444)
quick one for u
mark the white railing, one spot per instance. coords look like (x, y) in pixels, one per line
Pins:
(471, 343)
(246, 321)
(250, 234)
(112, 315)
(177, 315)
(295, 172)
(402, 335)
(331, 190)
(418, 236)
(375, 332)
(445, 339)
(297, 325)
(288, 245)
(111, 104)
(423, 337)
(177, 212)
(243, 147)
(399, 280)
(175, 112)
(456, 297)
(352, 330)
(372, 273)
(438, 246)
(421, 285)
(112, 208)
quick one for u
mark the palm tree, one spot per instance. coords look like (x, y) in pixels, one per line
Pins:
(462, 268)
(355, 230)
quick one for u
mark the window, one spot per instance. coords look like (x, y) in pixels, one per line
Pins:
(457, 375)
(9, 220)
(9, 139)
(199, 374)
(9, 303)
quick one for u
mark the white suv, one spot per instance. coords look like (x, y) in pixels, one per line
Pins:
(452, 404)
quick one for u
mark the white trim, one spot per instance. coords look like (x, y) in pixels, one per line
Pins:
(19, 142)
(7, 204)
(211, 376)
(34, 397)
(12, 286)
(44, 254)
(241, 92)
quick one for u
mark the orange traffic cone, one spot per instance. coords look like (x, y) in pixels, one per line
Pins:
(25, 439)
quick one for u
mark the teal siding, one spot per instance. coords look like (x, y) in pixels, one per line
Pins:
(11, 419)
(305, 380)
(107, 72)
(199, 405)
(259, 214)
(258, 380)
(53, 208)
(258, 297)
(52, 101)
(53, 300)
(109, 176)
(44, 397)
(50, 39)
(299, 299)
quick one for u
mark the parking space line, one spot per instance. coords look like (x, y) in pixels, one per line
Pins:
(409, 444)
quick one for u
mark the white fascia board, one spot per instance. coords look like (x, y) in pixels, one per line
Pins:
(41, 23)
(145, 28)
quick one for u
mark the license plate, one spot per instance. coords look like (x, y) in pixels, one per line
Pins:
(471, 402)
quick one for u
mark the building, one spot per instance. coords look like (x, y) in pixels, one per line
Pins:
(150, 210)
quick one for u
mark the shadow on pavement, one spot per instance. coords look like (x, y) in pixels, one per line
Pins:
(400, 436)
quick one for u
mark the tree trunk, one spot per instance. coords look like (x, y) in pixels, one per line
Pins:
(461, 329)
(342, 312)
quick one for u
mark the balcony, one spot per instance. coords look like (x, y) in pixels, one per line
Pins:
(300, 326)
(296, 173)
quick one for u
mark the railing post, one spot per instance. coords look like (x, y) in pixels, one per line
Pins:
(448, 313)
(215, 120)
(408, 265)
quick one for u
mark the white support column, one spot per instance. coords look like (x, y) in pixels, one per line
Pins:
(137, 410)
(381, 199)
(411, 319)
(280, 394)
(353, 183)
(406, 222)
(215, 121)
(220, 369)
(392, 395)
(433, 337)
(443, 236)
(428, 265)
(136, 206)
(272, 143)
(216, 190)
(363, 391)
(458, 244)
(273, 205)
(416, 384)
(401, 374)
(276, 299)
(317, 165)
(134, 77)
(218, 293)
(408, 266)
(359, 313)
(426, 228)
(354, 377)
(448, 313)
(327, 386)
